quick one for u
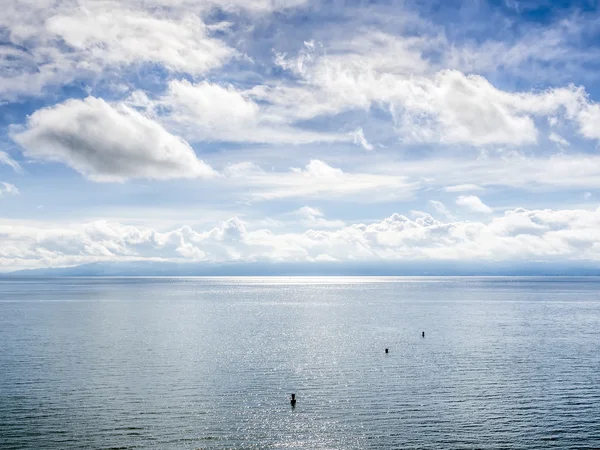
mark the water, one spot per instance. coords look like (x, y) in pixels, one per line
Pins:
(209, 363)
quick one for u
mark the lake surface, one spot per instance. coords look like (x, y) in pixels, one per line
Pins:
(210, 362)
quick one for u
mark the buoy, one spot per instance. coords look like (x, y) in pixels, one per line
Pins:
(386, 350)
(293, 400)
(423, 334)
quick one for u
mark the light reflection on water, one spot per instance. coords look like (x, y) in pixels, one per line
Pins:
(210, 363)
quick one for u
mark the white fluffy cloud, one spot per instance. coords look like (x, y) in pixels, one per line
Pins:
(518, 234)
(118, 36)
(52, 43)
(589, 118)
(473, 203)
(443, 106)
(213, 112)
(108, 143)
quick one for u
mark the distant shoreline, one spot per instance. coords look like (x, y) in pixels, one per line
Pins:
(378, 269)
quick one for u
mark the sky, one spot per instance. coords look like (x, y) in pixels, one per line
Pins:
(298, 131)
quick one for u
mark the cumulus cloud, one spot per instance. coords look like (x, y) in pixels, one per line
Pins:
(518, 234)
(108, 143)
(473, 203)
(52, 43)
(588, 118)
(218, 112)
(443, 106)
(121, 36)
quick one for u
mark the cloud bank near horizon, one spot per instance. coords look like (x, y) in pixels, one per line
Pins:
(519, 234)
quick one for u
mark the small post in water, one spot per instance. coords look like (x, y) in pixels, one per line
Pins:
(423, 334)
(386, 350)
(293, 400)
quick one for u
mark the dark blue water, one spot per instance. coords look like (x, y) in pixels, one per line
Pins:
(209, 363)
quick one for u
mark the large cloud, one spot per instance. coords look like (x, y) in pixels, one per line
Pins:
(518, 234)
(122, 36)
(436, 106)
(52, 43)
(108, 143)
(213, 112)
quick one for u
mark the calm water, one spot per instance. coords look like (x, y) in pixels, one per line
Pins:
(209, 363)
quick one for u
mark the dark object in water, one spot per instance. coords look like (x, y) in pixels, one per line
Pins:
(386, 350)
(293, 400)
(423, 334)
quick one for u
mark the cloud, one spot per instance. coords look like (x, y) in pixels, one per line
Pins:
(108, 143)
(218, 112)
(7, 160)
(515, 171)
(588, 118)
(396, 180)
(558, 139)
(122, 36)
(473, 203)
(49, 44)
(318, 179)
(314, 218)
(519, 234)
(463, 188)
(441, 208)
(428, 105)
(8, 189)
(455, 108)
(358, 136)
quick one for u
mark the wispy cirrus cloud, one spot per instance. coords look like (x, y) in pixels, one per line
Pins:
(7, 160)
(8, 189)
(318, 178)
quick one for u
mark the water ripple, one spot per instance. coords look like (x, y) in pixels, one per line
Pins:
(210, 363)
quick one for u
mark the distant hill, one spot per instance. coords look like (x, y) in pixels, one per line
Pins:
(404, 268)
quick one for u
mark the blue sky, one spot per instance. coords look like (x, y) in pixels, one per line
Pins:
(300, 131)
